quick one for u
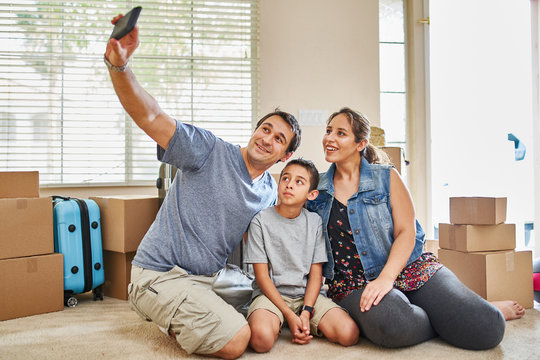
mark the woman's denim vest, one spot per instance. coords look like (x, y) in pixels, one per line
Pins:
(370, 217)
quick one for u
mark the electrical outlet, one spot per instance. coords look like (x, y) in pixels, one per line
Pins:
(312, 117)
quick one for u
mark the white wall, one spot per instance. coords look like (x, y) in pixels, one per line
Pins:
(319, 55)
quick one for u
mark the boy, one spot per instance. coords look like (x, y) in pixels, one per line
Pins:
(286, 247)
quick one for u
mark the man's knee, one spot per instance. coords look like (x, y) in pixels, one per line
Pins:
(236, 346)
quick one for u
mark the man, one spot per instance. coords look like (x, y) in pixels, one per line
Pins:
(217, 191)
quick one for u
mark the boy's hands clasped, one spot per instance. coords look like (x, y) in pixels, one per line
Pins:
(299, 326)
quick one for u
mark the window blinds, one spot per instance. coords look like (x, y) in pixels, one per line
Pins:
(58, 110)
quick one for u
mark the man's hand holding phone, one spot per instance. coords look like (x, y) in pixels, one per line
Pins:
(119, 50)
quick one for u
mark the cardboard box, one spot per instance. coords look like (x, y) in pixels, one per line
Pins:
(498, 275)
(26, 227)
(470, 238)
(396, 156)
(31, 285)
(125, 220)
(477, 210)
(432, 246)
(117, 273)
(19, 184)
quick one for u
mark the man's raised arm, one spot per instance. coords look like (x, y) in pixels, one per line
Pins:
(140, 105)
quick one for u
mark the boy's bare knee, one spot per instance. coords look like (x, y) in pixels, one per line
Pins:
(265, 327)
(263, 336)
(339, 328)
(348, 334)
(236, 346)
(262, 342)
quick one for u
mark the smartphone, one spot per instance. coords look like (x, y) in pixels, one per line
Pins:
(126, 23)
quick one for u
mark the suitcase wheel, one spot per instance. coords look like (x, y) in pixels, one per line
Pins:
(70, 301)
(98, 293)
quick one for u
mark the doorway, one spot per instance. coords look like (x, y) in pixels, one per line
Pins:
(481, 91)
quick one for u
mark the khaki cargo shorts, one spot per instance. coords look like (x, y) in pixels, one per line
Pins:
(186, 304)
(321, 307)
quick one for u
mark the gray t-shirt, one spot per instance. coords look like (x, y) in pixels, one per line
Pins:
(288, 246)
(208, 207)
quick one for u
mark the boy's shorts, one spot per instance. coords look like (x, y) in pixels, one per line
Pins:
(186, 304)
(321, 307)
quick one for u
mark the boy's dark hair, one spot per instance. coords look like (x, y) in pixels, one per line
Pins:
(310, 167)
(293, 123)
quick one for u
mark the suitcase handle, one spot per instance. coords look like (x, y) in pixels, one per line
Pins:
(54, 197)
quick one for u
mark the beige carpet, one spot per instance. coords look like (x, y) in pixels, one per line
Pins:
(110, 330)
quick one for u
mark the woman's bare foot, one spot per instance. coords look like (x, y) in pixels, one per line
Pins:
(510, 309)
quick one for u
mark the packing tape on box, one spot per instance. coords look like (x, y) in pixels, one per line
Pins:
(473, 205)
(31, 266)
(452, 236)
(510, 261)
(22, 204)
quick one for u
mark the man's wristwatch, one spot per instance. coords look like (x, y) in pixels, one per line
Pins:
(309, 309)
(114, 67)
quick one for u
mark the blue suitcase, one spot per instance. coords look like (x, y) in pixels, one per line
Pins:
(77, 235)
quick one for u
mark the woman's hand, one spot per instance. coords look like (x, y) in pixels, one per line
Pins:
(404, 221)
(118, 52)
(374, 292)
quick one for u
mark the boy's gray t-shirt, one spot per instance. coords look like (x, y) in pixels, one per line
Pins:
(288, 246)
(208, 207)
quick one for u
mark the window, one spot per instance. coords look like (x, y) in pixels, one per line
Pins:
(59, 113)
(392, 72)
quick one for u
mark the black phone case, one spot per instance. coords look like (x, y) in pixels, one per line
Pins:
(126, 24)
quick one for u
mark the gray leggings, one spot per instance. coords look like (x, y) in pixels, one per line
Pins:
(443, 306)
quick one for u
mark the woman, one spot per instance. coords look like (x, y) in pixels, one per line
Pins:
(398, 295)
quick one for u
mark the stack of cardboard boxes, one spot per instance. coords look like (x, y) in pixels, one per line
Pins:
(395, 153)
(31, 274)
(479, 247)
(432, 246)
(124, 222)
